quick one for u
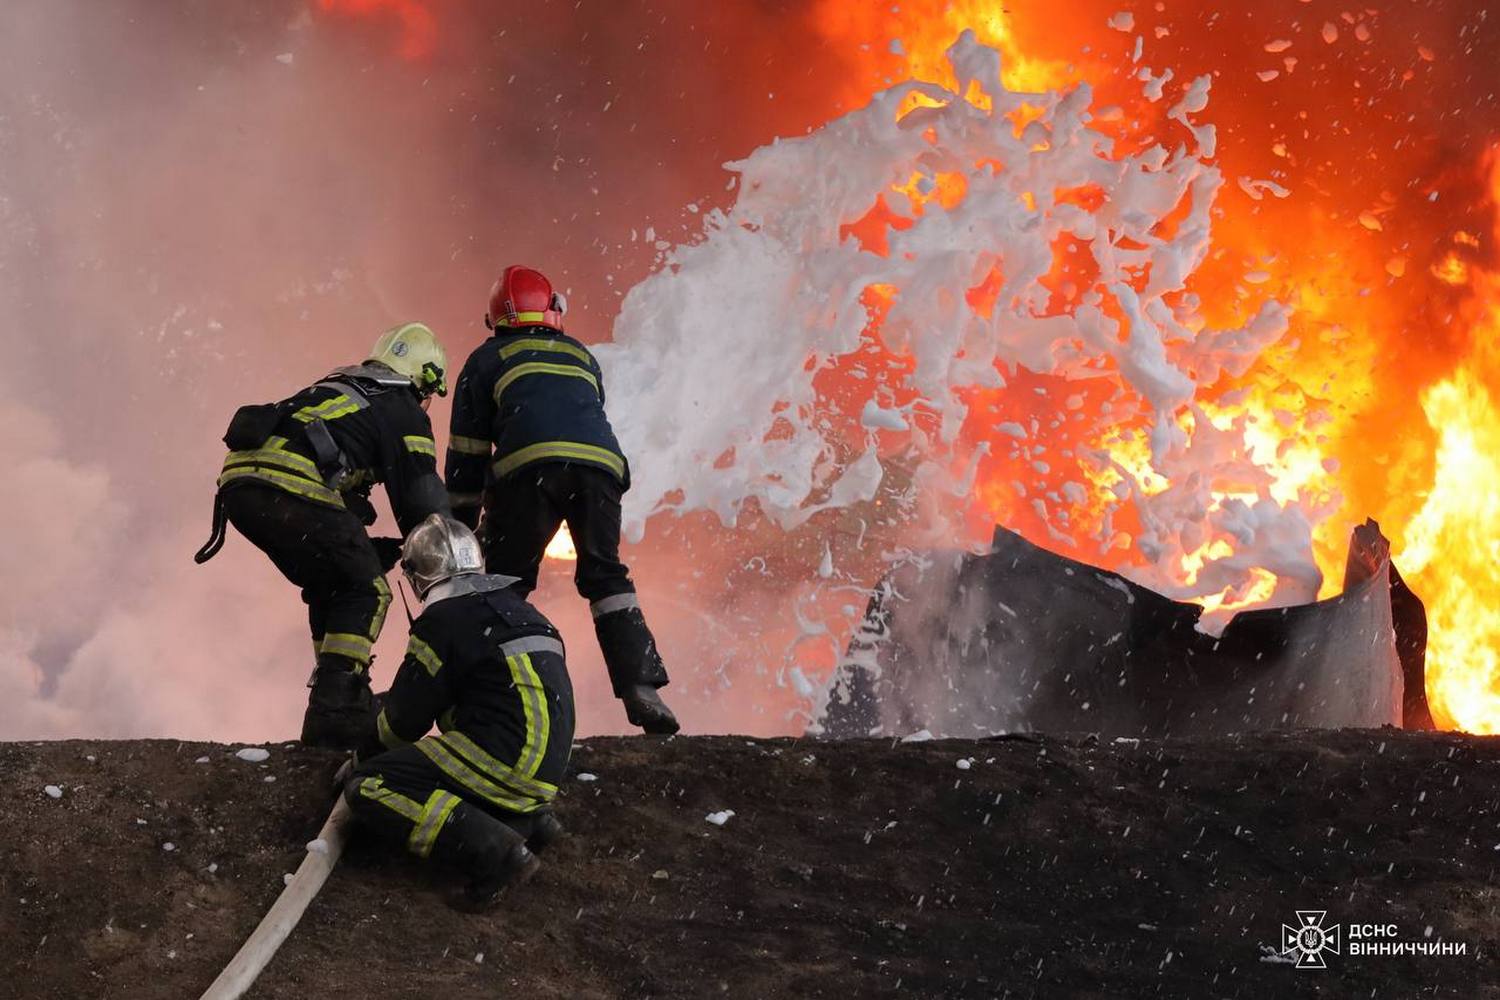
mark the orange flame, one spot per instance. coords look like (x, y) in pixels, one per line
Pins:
(919, 33)
(1321, 410)
(561, 546)
(1451, 270)
(1452, 550)
(418, 23)
(1451, 547)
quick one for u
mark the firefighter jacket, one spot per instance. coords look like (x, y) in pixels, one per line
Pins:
(526, 395)
(488, 668)
(332, 441)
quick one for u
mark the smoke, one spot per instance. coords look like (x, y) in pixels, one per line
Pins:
(205, 205)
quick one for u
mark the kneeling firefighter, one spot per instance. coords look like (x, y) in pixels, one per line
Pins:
(488, 668)
(296, 483)
(532, 447)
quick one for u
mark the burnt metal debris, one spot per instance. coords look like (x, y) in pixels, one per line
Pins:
(1021, 639)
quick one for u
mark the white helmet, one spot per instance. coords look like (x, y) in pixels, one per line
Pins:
(439, 549)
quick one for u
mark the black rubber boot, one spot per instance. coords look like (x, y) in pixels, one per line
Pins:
(340, 709)
(635, 669)
(490, 853)
(545, 829)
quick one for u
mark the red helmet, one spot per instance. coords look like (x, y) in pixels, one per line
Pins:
(522, 296)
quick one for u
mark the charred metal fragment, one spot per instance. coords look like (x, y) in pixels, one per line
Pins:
(1020, 639)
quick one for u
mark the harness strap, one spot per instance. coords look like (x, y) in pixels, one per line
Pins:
(216, 536)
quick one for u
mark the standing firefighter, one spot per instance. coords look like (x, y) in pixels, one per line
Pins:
(296, 484)
(489, 670)
(531, 442)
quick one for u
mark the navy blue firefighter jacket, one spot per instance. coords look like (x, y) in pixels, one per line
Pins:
(526, 395)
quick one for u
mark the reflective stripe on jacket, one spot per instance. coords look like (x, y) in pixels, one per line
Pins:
(382, 436)
(489, 670)
(527, 396)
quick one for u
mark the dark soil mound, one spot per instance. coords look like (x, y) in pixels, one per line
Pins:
(1047, 867)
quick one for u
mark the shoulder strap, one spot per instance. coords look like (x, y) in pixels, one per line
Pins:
(364, 381)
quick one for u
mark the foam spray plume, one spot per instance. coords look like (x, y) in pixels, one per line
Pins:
(1257, 404)
(887, 343)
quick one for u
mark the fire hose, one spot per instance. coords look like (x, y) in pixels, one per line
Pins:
(259, 948)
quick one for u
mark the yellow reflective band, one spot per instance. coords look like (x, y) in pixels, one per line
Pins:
(472, 780)
(528, 706)
(339, 411)
(374, 788)
(297, 485)
(429, 824)
(356, 647)
(467, 445)
(274, 464)
(331, 403)
(274, 453)
(474, 755)
(388, 737)
(423, 654)
(419, 445)
(330, 409)
(382, 605)
(279, 461)
(573, 450)
(543, 368)
(515, 347)
(457, 500)
(534, 704)
(531, 317)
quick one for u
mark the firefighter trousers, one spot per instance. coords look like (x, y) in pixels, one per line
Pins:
(327, 553)
(521, 514)
(524, 510)
(404, 797)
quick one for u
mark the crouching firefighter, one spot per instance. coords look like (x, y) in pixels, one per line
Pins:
(296, 483)
(532, 446)
(488, 668)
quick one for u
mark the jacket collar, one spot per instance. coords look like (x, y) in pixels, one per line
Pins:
(468, 583)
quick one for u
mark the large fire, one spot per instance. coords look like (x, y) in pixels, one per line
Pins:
(1311, 410)
(1382, 399)
(1451, 546)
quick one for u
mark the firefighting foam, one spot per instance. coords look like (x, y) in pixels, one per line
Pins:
(966, 292)
(1241, 486)
(1383, 163)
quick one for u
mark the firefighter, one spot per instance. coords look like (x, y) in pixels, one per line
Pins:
(296, 483)
(488, 668)
(532, 447)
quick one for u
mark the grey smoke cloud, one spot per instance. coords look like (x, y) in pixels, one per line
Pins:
(205, 205)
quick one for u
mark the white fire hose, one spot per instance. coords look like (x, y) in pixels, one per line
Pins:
(257, 951)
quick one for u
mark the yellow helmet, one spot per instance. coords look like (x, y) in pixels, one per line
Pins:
(412, 349)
